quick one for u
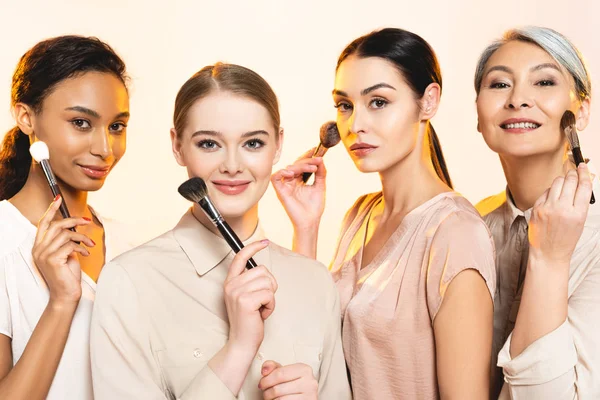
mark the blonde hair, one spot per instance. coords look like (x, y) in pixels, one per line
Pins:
(228, 77)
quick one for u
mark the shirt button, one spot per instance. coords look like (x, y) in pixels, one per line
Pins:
(197, 353)
(260, 356)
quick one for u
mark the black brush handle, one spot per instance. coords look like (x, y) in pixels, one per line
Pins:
(578, 158)
(64, 210)
(233, 241)
(306, 176)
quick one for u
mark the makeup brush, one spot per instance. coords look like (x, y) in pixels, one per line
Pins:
(40, 153)
(194, 190)
(568, 126)
(329, 136)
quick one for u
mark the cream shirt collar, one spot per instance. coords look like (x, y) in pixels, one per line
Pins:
(511, 212)
(205, 250)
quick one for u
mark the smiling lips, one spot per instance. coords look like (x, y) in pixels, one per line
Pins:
(95, 171)
(231, 188)
(519, 125)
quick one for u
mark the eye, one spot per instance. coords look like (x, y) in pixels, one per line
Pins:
(81, 124)
(117, 127)
(254, 144)
(378, 103)
(209, 145)
(499, 85)
(343, 106)
(546, 82)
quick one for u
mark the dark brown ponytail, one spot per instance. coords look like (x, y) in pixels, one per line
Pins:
(437, 157)
(15, 161)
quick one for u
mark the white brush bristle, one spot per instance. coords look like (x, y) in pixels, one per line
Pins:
(39, 151)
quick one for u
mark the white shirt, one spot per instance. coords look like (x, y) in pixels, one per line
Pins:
(565, 363)
(24, 296)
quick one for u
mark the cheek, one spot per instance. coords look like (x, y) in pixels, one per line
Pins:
(343, 126)
(260, 164)
(487, 107)
(554, 105)
(397, 126)
(199, 163)
(119, 146)
(69, 145)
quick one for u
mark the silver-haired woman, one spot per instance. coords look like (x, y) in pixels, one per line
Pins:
(547, 235)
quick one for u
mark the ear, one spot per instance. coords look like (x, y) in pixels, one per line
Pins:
(430, 101)
(176, 146)
(24, 117)
(583, 114)
(279, 146)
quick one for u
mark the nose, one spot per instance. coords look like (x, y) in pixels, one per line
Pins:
(101, 145)
(519, 98)
(231, 164)
(357, 121)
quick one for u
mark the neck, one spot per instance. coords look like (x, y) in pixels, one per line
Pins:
(35, 197)
(529, 177)
(412, 181)
(243, 226)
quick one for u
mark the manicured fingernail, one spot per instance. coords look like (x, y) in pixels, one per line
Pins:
(87, 219)
(265, 241)
(57, 197)
(94, 243)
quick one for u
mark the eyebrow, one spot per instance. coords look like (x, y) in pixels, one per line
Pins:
(545, 65)
(506, 69)
(93, 113)
(366, 91)
(219, 134)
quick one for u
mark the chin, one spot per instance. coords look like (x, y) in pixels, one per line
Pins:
(369, 165)
(526, 149)
(365, 168)
(232, 207)
(86, 185)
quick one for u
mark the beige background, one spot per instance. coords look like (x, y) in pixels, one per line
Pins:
(294, 45)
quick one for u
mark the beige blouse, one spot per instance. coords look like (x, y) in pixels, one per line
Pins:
(389, 306)
(160, 316)
(564, 364)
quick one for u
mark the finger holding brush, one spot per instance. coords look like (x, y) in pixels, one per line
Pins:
(329, 136)
(304, 204)
(55, 250)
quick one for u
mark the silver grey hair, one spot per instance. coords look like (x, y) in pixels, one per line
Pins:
(555, 44)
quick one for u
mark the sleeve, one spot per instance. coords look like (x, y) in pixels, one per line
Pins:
(333, 380)
(123, 364)
(207, 385)
(462, 241)
(5, 314)
(565, 363)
